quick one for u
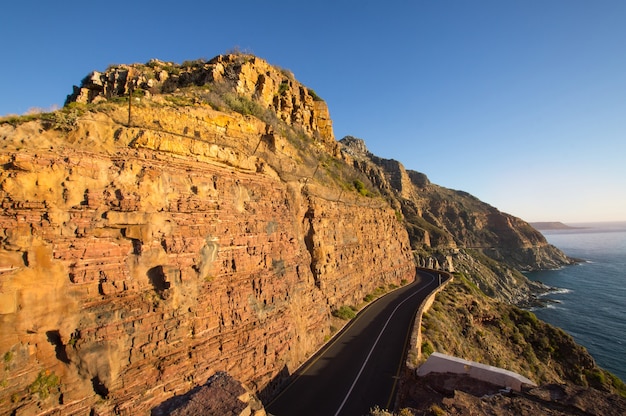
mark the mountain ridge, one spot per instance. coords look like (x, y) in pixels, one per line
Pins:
(552, 225)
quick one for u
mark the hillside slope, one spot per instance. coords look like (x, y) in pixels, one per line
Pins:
(465, 323)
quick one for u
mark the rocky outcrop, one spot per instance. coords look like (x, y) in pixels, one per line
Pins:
(220, 395)
(247, 76)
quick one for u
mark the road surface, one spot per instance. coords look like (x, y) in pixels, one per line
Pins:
(359, 368)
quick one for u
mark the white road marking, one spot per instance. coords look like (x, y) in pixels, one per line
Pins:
(345, 399)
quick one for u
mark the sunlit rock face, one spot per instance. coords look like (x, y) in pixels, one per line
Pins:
(138, 259)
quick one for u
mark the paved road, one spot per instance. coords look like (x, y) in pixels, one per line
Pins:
(359, 368)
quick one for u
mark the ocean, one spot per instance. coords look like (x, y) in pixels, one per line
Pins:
(590, 298)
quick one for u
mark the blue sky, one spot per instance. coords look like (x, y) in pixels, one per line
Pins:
(521, 103)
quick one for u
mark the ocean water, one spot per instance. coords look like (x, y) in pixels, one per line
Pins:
(590, 300)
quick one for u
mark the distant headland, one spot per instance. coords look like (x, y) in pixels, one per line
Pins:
(552, 225)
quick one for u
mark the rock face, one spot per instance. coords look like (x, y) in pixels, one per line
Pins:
(245, 75)
(136, 262)
(460, 395)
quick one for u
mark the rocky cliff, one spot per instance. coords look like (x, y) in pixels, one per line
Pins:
(138, 259)
(456, 231)
(176, 221)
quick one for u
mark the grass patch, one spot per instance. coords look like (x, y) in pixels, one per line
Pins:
(427, 348)
(360, 187)
(17, 120)
(179, 100)
(64, 119)
(345, 312)
(378, 292)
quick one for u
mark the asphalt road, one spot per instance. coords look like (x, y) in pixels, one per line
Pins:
(358, 369)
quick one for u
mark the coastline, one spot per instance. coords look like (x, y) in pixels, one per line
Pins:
(588, 301)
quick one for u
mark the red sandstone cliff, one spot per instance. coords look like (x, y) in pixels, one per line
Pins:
(136, 262)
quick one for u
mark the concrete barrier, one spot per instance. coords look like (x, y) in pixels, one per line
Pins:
(415, 343)
(442, 363)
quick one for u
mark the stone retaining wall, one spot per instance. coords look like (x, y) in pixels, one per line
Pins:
(415, 350)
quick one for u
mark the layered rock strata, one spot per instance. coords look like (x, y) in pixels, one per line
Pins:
(136, 262)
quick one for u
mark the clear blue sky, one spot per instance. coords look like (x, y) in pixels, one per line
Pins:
(521, 103)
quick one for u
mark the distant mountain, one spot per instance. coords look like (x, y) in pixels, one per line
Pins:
(552, 225)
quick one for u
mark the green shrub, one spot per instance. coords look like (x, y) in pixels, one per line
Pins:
(617, 383)
(242, 105)
(194, 63)
(360, 187)
(314, 95)
(64, 120)
(427, 348)
(283, 87)
(436, 410)
(45, 383)
(345, 313)
(74, 337)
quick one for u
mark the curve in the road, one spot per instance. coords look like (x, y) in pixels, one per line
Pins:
(374, 346)
(370, 369)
